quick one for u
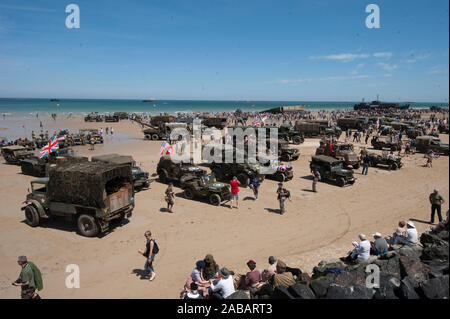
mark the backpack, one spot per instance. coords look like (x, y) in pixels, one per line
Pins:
(37, 276)
(288, 194)
(155, 248)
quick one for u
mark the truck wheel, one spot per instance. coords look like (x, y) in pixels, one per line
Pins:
(394, 166)
(162, 177)
(147, 137)
(244, 179)
(214, 199)
(280, 177)
(189, 193)
(32, 216)
(297, 140)
(341, 181)
(155, 137)
(87, 225)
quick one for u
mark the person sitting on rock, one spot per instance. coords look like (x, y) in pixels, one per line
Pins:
(281, 278)
(411, 237)
(361, 252)
(271, 270)
(441, 226)
(380, 246)
(250, 280)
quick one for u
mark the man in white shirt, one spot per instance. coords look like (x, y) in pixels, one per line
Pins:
(411, 236)
(223, 286)
(362, 250)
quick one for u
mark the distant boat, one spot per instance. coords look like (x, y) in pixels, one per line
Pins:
(150, 100)
(54, 100)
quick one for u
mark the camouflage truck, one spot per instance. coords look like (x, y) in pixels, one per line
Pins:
(161, 119)
(93, 117)
(92, 194)
(413, 132)
(121, 115)
(89, 133)
(288, 133)
(425, 144)
(14, 154)
(39, 167)
(217, 122)
(112, 118)
(159, 132)
(331, 169)
(380, 143)
(316, 129)
(376, 160)
(206, 186)
(140, 178)
(341, 151)
(168, 170)
(348, 123)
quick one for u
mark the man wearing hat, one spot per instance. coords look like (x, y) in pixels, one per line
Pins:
(436, 201)
(411, 237)
(380, 245)
(26, 277)
(223, 286)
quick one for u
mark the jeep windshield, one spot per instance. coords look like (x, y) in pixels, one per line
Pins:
(209, 179)
(39, 185)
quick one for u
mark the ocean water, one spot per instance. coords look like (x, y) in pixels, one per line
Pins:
(45, 107)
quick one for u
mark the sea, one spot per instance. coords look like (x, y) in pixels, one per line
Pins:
(78, 107)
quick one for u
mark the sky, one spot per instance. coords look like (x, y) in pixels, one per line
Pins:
(226, 50)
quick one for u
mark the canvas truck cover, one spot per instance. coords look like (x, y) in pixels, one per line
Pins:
(84, 183)
(307, 126)
(114, 159)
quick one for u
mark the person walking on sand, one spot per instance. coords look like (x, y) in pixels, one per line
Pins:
(436, 201)
(281, 196)
(235, 191)
(112, 131)
(316, 178)
(150, 251)
(170, 195)
(26, 278)
(92, 142)
(254, 185)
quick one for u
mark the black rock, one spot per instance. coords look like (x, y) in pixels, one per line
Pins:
(282, 292)
(351, 278)
(415, 270)
(319, 286)
(300, 291)
(389, 287)
(427, 239)
(238, 294)
(412, 252)
(407, 290)
(304, 278)
(439, 251)
(436, 288)
(351, 292)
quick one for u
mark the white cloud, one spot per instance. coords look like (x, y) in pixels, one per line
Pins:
(438, 69)
(383, 54)
(387, 66)
(418, 57)
(345, 57)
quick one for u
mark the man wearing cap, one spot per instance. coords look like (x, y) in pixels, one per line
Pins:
(223, 286)
(26, 277)
(411, 237)
(436, 201)
(380, 245)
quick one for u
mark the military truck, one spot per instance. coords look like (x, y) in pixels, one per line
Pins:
(39, 167)
(121, 115)
(93, 117)
(414, 132)
(376, 160)
(112, 118)
(341, 151)
(425, 144)
(331, 169)
(168, 170)
(206, 186)
(443, 128)
(140, 178)
(92, 194)
(288, 133)
(380, 143)
(89, 133)
(285, 152)
(348, 123)
(316, 129)
(217, 122)
(14, 154)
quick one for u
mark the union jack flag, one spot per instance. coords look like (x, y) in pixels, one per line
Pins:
(51, 146)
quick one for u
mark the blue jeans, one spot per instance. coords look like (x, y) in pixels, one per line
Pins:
(365, 169)
(149, 265)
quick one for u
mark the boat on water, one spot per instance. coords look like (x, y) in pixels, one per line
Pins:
(54, 100)
(149, 100)
(378, 105)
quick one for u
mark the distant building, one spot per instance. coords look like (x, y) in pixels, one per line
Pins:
(285, 109)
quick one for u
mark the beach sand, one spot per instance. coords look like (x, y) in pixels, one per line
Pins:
(317, 226)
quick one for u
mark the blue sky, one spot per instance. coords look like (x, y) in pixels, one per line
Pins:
(228, 50)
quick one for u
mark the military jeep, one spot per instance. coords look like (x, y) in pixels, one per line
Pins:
(278, 171)
(376, 159)
(93, 117)
(383, 143)
(14, 154)
(168, 171)
(331, 169)
(340, 151)
(206, 186)
(426, 144)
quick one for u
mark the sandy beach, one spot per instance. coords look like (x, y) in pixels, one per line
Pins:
(317, 226)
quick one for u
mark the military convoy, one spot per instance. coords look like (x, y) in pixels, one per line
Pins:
(331, 169)
(206, 186)
(340, 151)
(140, 178)
(92, 194)
(376, 160)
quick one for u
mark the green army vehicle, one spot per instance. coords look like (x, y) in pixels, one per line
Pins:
(112, 118)
(168, 171)
(140, 178)
(380, 143)
(286, 153)
(376, 160)
(217, 122)
(425, 144)
(340, 151)
(277, 171)
(443, 128)
(353, 123)
(331, 169)
(414, 132)
(92, 194)
(14, 154)
(89, 133)
(288, 133)
(206, 186)
(93, 117)
(121, 115)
